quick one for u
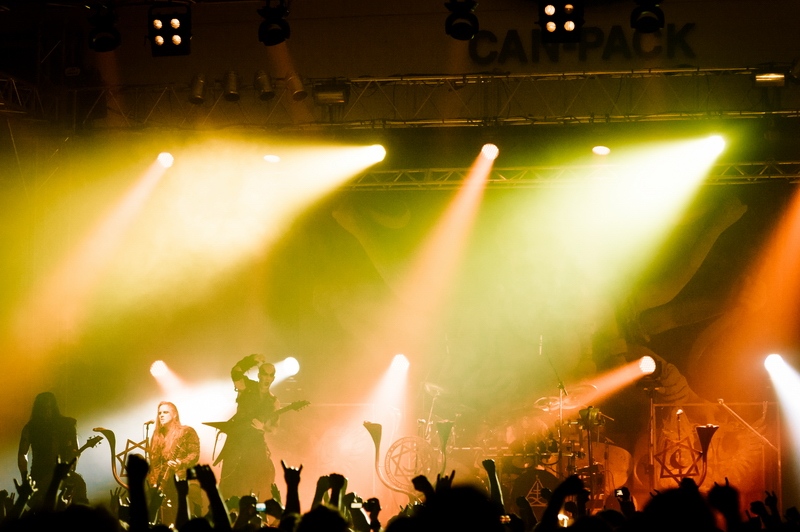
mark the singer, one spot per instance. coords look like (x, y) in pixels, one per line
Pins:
(173, 449)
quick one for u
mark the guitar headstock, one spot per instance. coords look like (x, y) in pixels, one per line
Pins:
(299, 405)
(93, 441)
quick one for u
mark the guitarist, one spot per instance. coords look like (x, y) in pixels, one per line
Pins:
(48, 436)
(173, 449)
(247, 466)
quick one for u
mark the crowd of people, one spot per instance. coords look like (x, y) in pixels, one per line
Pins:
(442, 505)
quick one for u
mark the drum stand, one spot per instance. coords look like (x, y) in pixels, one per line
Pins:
(592, 418)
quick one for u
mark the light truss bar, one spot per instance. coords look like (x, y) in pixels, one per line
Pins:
(18, 97)
(438, 101)
(543, 176)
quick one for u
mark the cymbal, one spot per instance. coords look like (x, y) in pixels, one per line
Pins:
(433, 389)
(578, 397)
(549, 404)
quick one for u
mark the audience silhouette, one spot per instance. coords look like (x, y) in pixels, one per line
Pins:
(445, 505)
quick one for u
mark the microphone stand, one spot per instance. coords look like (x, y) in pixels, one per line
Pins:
(562, 393)
(146, 439)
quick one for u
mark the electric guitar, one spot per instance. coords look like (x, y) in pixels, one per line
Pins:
(228, 426)
(91, 442)
(73, 483)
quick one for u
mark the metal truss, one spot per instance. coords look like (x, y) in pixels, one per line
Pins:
(531, 177)
(19, 98)
(441, 101)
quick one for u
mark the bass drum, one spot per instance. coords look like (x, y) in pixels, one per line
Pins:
(530, 485)
(614, 462)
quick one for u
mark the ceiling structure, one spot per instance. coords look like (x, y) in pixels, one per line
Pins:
(56, 99)
(472, 103)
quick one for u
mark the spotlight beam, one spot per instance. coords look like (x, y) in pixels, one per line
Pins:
(59, 304)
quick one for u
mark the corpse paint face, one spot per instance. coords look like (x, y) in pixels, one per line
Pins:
(266, 376)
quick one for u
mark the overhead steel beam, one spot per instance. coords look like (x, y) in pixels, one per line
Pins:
(450, 101)
(545, 176)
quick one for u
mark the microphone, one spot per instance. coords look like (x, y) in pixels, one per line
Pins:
(149, 422)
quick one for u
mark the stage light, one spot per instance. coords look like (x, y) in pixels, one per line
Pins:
(263, 85)
(292, 366)
(331, 93)
(647, 16)
(103, 36)
(376, 153)
(561, 21)
(461, 24)
(400, 362)
(770, 79)
(158, 368)
(490, 151)
(230, 86)
(295, 87)
(197, 89)
(774, 362)
(274, 29)
(601, 150)
(272, 158)
(170, 30)
(165, 159)
(647, 365)
(716, 144)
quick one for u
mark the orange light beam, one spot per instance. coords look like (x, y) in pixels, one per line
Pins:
(768, 304)
(430, 276)
(56, 309)
(610, 382)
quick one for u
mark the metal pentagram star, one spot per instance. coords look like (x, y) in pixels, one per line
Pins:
(678, 459)
(122, 457)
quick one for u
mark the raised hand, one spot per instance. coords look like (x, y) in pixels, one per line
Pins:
(337, 481)
(181, 486)
(338, 484)
(373, 508)
(115, 501)
(572, 485)
(423, 485)
(489, 466)
(137, 469)
(724, 498)
(771, 500)
(275, 492)
(26, 488)
(273, 508)
(292, 474)
(444, 483)
(324, 483)
(62, 469)
(206, 478)
(758, 508)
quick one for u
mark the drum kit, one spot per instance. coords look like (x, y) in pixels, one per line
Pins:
(536, 447)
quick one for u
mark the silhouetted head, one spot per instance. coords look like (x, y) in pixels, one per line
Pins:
(678, 509)
(45, 407)
(323, 518)
(462, 508)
